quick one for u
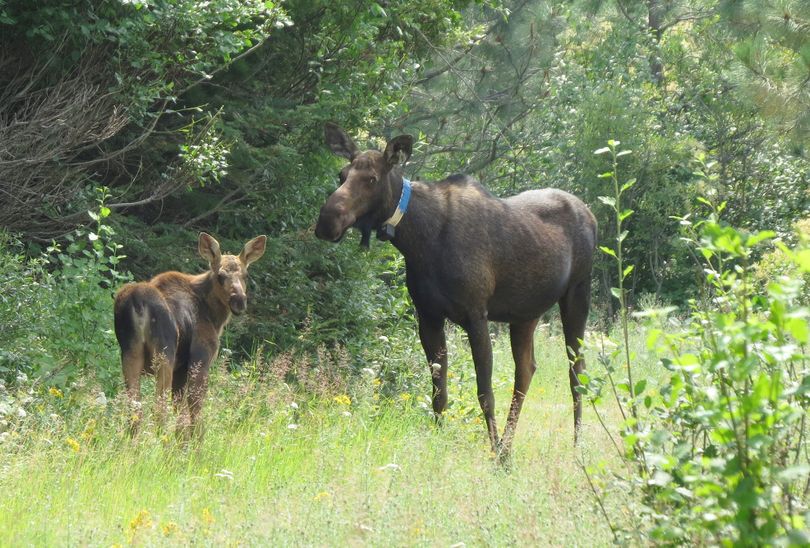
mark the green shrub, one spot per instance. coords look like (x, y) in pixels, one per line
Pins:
(57, 307)
(718, 452)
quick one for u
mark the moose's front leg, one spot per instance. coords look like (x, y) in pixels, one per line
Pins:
(431, 333)
(478, 332)
(164, 367)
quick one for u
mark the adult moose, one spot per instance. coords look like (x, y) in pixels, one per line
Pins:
(470, 258)
(170, 326)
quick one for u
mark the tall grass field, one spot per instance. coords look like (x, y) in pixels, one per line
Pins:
(347, 464)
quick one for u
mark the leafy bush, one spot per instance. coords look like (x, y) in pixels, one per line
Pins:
(57, 307)
(719, 452)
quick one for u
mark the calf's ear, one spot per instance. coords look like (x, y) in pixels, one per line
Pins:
(340, 143)
(398, 150)
(253, 250)
(208, 248)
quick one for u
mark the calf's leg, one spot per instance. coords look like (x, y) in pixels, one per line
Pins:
(132, 364)
(202, 353)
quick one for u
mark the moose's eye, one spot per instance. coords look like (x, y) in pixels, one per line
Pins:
(373, 180)
(222, 277)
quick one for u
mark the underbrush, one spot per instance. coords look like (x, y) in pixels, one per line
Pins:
(715, 451)
(295, 451)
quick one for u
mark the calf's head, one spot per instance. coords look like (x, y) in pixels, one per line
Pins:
(365, 194)
(230, 271)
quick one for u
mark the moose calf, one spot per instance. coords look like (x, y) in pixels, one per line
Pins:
(170, 326)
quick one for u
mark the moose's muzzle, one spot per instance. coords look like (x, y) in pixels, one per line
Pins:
(333, 222)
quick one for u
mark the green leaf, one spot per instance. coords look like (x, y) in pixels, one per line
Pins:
(605, 175)
(616, 292)
(608, 200)
(640, 386)
(622, 236)
(754, 239)
(628, 184)
(601, 150)
(627, 271)
(624, 153)
(625, 214)
(607, 251)
(584, 378)
(799, 329)
(688, 362)
(803, 260)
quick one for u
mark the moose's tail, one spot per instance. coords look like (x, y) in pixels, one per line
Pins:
(143, 320)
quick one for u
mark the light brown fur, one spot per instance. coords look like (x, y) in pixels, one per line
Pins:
(170, 326)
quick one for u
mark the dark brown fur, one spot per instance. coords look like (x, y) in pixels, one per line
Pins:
(470, 258)
(170, 326)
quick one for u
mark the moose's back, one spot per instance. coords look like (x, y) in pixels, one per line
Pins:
(513, 258)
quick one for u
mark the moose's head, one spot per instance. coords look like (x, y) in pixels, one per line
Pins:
(366, 196)
(230, 271)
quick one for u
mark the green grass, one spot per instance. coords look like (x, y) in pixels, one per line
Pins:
(377, 471)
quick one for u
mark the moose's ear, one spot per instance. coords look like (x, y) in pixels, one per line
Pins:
(253, 250)
(209, 250)
(340, 143)
(398, 150)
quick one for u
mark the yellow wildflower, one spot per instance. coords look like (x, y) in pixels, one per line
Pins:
(376, 382)
(73, 444)
(143, 519)
(343, 399)
(207, 516)
(405, 397)
(322, 495)
(55, 392)
(170, 529)
(89, 430)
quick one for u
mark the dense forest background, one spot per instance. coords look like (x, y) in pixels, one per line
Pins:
(208, 116)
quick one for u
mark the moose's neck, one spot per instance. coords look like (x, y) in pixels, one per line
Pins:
(218, 313)
(417, 230)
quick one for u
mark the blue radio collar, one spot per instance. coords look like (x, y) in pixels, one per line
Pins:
(387, 230)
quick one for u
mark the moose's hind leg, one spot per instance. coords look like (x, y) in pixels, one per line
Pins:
(162, 359)
(522, 338)
(574, 313)
(132, 364)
